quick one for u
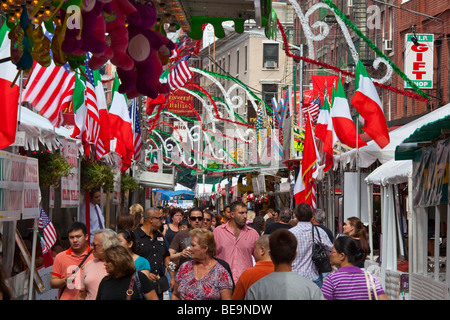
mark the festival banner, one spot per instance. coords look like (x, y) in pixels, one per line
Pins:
(181, 103)
(19, 187)
(70, 187)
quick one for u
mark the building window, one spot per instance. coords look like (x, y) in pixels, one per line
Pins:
(245, 59)
(237, 62)
(270, 55)
(269, 91)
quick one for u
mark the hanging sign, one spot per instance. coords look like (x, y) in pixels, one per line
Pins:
(419, 60)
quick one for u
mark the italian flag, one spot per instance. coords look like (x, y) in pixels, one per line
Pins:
(9, 97)
(342, 120)
(322, 120)
(304, 189)
(80, 111)
(368, 104)
(119, 118)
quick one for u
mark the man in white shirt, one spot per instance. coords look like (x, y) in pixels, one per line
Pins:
(96, 221)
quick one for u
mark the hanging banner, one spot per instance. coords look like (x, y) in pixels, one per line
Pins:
(31, 192)
(19, 187)
(117, 160)
(419, 60)
(181, 103)
(70, 186)
(431, 175)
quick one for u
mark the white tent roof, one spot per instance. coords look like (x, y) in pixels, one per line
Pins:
(392, 172)
(372, 152)
(37, 128)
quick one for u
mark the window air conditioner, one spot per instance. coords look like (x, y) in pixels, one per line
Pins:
(387, 45)
(270, 64)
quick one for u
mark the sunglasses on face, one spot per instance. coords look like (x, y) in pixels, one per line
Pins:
(160, 218)
(196, 218)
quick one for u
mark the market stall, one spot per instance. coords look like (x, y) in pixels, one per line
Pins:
(429, 248)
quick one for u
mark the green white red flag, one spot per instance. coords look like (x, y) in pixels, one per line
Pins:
(9, 97)
(369, 106)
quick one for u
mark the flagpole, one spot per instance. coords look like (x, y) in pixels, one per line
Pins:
(358, 177)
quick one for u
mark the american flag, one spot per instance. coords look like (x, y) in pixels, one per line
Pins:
(313, 110)
(49, 230)
(49, 91)
(90, 100)
(180, 74)
(137, 129)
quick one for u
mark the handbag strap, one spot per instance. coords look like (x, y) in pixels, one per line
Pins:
(138, 285)
(76, 270)
(370, 284)
(318, 233)
(130, 288)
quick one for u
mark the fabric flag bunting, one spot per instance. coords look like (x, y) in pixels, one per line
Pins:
(329, 140)
(342, 120)
(9, 97)
(180, 74)
(87, 121)
(49, 237)
(312, 109)
(134, 114)
(49, 90)
(368, 104)
(304, 190)
(103, 145)
(121, 128)
(322, 119)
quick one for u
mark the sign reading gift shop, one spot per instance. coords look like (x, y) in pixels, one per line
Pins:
(19, 187)
(419, 60)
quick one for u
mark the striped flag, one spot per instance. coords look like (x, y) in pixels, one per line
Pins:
(49, 90)
(48, 229)
(313, 110)
(92, 115)
(134, 115)
(180, 74)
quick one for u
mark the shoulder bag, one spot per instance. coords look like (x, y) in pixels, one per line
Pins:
(135, 279)
(76, 270)
(370, 284)
(319, 254)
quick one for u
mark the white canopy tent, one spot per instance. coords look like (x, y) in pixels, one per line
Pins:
(37, 128)
(369, 154)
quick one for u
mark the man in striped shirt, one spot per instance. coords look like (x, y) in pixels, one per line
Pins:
(303, 263)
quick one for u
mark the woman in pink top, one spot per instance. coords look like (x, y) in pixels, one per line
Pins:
(94, 270)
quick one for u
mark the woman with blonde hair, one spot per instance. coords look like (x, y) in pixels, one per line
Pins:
(137, 211)
(203, 277)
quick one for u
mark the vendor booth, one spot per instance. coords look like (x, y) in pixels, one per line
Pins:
(404, 240)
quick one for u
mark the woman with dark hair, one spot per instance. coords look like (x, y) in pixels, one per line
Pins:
(353, 227)
(349, 282)
(123, 281)
(172, 228)
(128, 241)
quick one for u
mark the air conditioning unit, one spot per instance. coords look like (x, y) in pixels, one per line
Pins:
(270, 64)
(387, 45)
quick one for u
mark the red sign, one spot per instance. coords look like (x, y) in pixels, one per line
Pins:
(181, 103)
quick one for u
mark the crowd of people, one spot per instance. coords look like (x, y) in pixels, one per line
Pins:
(198, 254)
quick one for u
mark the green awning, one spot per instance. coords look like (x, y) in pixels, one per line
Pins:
(425, 134)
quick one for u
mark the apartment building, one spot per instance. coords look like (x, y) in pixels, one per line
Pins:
(260, 63)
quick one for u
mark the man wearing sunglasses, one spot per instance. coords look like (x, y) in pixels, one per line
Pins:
(154, 249)
(180, 245)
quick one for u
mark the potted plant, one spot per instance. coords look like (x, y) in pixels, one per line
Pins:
(128, 183)
(96, 174)
(52, 166)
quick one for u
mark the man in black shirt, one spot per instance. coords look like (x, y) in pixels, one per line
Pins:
(283, 223)
(155, 250)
